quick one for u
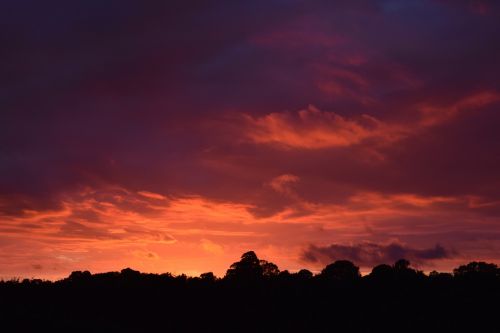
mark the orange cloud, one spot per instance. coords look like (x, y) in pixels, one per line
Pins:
(113, 228)
(281, 184)
(315, 129)
(109, 229)
(434, 115)
(377, 199)
(151, 195)
(211, 247)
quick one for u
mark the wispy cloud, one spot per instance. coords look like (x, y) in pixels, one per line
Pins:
(315, 129)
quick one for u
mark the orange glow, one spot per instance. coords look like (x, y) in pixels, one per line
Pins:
(275, 127)
(95, 230)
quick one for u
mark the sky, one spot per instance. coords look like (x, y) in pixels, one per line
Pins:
(172, 136)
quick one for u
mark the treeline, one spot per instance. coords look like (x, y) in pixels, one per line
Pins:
(255, 296)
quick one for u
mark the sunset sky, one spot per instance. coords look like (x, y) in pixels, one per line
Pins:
(172, 136)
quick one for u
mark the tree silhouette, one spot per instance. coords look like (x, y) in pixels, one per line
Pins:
(477, 270)
(130, 273)
(255, 296)
(247, 269)
(250, 268)
(382, 273)
(79, 276)
(341, 270)
(208, 277)
(268, 268)
(401, 265)
(403, 271)
(304, 274)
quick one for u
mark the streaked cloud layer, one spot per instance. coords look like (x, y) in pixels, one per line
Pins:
(173, 136)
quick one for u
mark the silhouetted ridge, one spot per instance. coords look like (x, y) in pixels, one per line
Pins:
(255, 296)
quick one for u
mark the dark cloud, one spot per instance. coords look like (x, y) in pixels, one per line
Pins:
(370, 254)
(120, 92)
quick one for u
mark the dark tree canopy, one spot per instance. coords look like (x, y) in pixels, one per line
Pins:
(382, 272)
(477, 269)
(250, 268)
(78, 276)
(208, 276)
(304, 274)
(401, 265)
(255, 296)
(269, 269)
(341, 270)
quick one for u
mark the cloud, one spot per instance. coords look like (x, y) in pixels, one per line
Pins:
(434, 115)
(118, 144)
(143, 254)
(211, 247)
(282, 184)
(151, 195)
(195, 230)
(314, 129)
(371, 254)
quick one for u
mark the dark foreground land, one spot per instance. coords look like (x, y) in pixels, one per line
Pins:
(255, 296)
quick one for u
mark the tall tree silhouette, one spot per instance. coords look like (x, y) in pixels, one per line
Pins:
(247, 269)
(250, 268)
